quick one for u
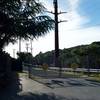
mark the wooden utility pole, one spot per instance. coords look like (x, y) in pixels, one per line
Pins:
(56, 13)
(56, 33)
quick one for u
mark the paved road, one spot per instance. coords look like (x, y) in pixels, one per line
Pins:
(67, 89)
(53, 89)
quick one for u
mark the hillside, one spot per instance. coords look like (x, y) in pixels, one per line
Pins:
(83, 55)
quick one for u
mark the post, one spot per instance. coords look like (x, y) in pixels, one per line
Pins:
(14, 53)
(21, 67)
(27, 47)
(19, 44)
(56, 37)
(56, 55)
(56, 33)
(31, 46)
(88, 65)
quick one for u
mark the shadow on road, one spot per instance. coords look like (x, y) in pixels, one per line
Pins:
(69, 82)
(42, 96)
(15, 92)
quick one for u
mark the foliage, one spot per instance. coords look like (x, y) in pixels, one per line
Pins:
(86, 56)
(74, 66)
(22, 18)
(25, 57)
(5, 69)
(4, 61)
(45, 67)
(42, 58)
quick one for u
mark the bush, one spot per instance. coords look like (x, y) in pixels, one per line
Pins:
(5, 68)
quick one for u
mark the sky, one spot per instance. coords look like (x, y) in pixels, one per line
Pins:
(82, 26)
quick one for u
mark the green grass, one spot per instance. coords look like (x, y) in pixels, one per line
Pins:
(21, 74)
(94, 77)
(72, 74)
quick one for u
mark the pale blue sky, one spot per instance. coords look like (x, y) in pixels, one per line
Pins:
(83, 26)
(91, 9)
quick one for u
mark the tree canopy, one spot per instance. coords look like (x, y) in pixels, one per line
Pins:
(24, 19)
(84, 56)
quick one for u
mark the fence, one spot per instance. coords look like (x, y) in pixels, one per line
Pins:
(39, 71)
(53, 72)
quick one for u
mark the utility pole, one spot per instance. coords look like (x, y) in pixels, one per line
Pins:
(14, 53)
(27, 46)
(19, 44)
(31, 46)
(56, 54)
(57, 64)
(29, 67)
(56, 33)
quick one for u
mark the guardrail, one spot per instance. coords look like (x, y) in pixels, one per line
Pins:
(52, 71)
(77, 70)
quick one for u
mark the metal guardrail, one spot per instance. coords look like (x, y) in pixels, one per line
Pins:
(52, 71)
(77, 70)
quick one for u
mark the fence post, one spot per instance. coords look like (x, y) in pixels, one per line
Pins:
(29, 70)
